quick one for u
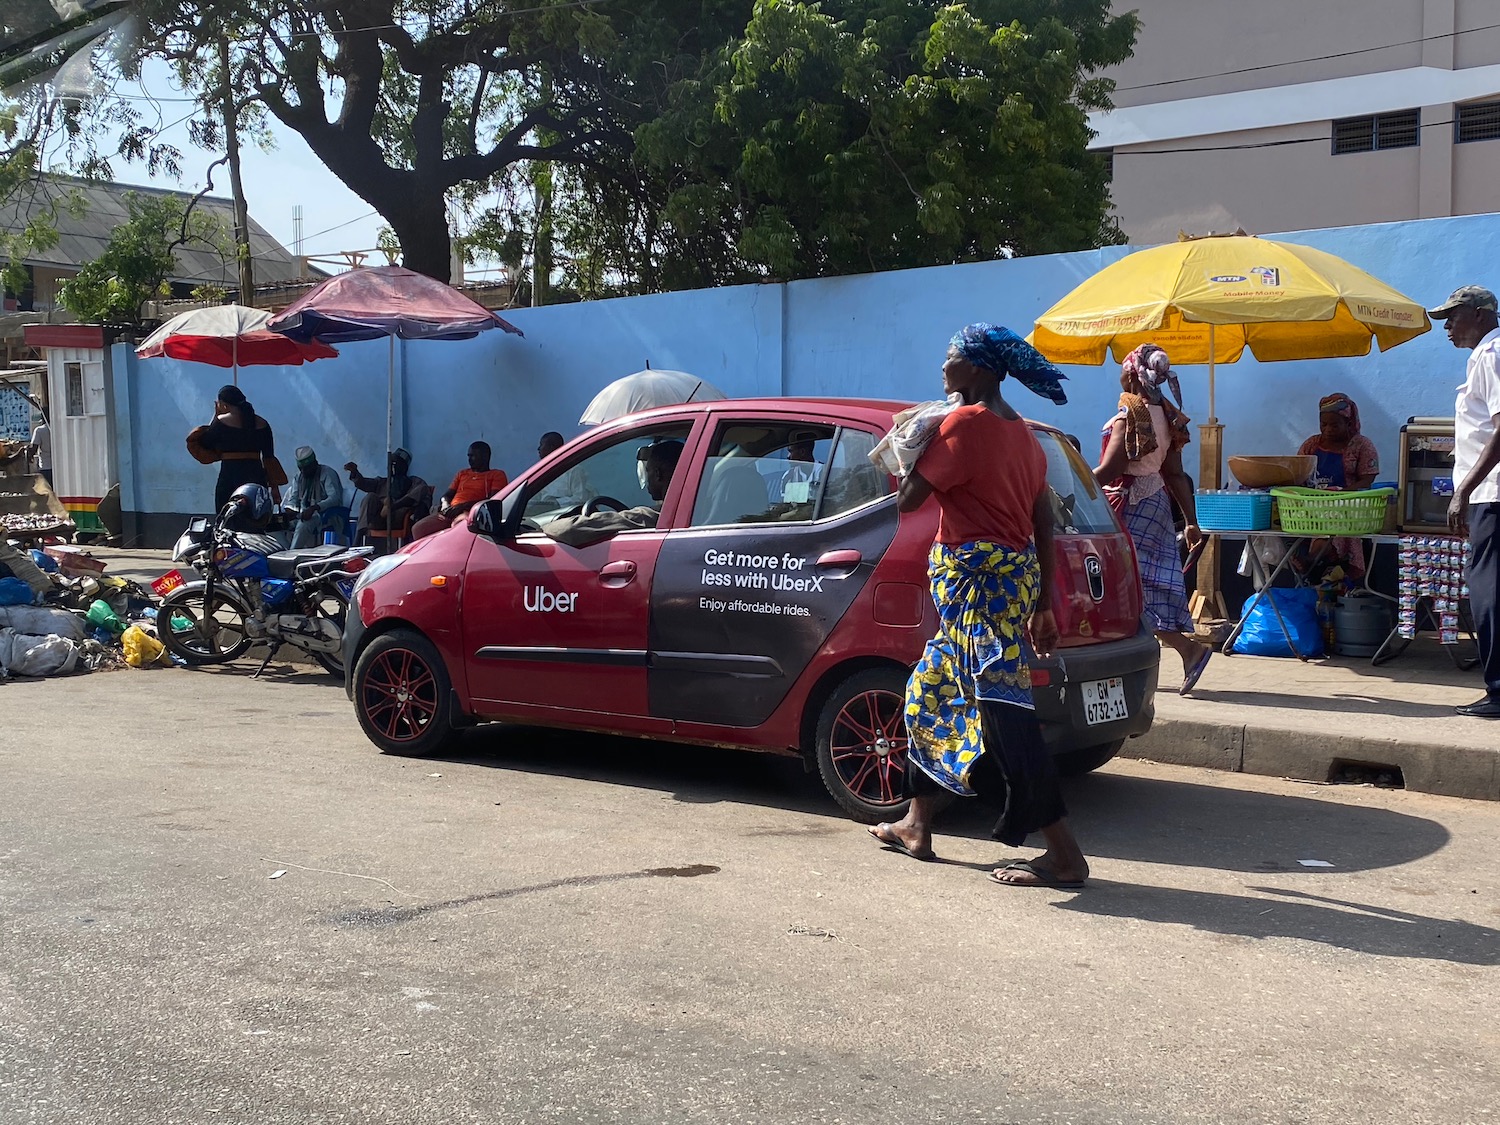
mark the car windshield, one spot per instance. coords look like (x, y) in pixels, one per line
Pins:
(1078, 502)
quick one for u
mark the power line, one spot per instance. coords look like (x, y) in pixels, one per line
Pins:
(1311, 58)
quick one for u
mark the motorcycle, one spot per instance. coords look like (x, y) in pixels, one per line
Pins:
(252, 592)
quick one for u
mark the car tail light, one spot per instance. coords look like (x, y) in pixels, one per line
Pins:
(1041, 677)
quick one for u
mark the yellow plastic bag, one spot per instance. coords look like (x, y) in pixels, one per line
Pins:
(141, 648)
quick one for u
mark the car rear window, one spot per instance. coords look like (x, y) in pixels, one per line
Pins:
(1077, 500)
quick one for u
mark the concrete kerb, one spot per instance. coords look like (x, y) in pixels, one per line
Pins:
(1315, 755)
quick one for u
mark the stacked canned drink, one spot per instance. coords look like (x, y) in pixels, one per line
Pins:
(1433, 567)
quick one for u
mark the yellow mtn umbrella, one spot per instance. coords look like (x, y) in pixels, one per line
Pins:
(1207, 299)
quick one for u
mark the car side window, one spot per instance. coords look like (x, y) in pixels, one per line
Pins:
(763, 472)
(852, 479)
(612, 476)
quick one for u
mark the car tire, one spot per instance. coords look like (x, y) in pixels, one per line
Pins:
(861, 745)
(1086, 759)
(402, 693)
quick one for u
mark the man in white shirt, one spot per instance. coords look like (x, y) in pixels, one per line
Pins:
(41, 449)
(1471, 320)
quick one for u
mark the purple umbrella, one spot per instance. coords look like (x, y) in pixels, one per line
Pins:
(390, 301)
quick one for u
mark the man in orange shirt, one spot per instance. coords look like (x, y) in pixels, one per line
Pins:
(477, 482)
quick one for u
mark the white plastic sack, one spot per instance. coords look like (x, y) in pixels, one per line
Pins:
(22, 654)
(40, 620)
(898, 451)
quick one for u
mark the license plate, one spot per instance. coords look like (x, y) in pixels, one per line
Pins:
(1104, 701)
(168, 582)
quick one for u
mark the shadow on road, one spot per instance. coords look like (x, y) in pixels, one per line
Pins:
(1144, 820)
(1356, 704)
(1296, 914)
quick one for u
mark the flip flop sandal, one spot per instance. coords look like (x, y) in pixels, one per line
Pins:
(883, 833)
(1195, 673)
(1044, 878)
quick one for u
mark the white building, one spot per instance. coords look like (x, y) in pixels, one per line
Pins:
(1292, 114)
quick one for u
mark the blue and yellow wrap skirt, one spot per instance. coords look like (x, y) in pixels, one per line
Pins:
(985, 593)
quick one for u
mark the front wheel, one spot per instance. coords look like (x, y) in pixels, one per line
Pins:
(203, 632)
(401, 693)
(861, 745)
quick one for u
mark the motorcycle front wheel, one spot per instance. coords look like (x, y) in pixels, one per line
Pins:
(201, 633)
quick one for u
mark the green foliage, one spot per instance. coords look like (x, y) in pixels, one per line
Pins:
(135, 266)
(844, 137)
(881, 134)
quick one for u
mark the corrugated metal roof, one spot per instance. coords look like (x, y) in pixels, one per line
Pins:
(82, 237)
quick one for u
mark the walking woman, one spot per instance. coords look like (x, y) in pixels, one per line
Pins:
(973, 729)
(241, 441)
(1142, 468)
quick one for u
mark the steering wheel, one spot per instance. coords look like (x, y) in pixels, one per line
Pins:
(592, 506)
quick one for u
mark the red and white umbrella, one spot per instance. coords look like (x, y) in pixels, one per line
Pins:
(231, 336)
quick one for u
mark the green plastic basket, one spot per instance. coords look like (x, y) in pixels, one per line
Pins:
(1314, 511)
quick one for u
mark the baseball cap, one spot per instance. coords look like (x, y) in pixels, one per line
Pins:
(1470, 296)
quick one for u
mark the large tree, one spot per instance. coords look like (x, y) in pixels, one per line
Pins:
(843, 137)
(416, 104)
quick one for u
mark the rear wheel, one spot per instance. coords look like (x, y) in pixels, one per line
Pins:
(329, 604)
(861, 745)
(1072, 763)
(201, 632)
(401, 693)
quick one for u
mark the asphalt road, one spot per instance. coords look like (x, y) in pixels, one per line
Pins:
(580, 929)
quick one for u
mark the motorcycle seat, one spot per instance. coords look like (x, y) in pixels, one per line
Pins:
(284, 564)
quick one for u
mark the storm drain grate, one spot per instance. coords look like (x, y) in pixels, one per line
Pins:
(1378, 774)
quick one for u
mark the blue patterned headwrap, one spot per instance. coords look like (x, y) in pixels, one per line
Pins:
(1000, 350)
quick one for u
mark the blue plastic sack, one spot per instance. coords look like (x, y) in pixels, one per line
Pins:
(44, 562)
(1263, 635)
(14, 592)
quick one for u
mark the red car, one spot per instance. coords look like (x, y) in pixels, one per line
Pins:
(763, 593)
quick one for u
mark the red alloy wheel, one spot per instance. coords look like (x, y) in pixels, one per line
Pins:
(399, 695)
(869, 747)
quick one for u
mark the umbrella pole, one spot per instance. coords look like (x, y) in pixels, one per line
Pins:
(390, 448)
(234, 358)
(1208, 599)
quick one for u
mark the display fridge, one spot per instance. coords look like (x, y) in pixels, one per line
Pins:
(1425, 474)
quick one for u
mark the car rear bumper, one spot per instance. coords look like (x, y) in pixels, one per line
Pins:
(1059, 704)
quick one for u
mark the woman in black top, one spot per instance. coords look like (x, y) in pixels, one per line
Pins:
(243, 440)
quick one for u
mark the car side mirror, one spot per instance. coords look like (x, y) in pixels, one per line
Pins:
(498, 519)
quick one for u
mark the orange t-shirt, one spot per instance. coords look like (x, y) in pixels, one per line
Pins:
(470, 487)
(987, 472)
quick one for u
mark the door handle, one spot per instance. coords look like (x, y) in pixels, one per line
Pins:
(617, 573)
(839, 558)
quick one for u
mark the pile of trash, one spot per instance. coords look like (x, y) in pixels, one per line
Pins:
(59, 617)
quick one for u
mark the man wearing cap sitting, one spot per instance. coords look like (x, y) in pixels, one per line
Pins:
(1470, 317)
(313, 494)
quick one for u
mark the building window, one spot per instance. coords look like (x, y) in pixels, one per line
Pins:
(1477, 121)
(74, 373)
(1402, 129)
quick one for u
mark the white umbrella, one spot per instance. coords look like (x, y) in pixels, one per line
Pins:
(646, 389)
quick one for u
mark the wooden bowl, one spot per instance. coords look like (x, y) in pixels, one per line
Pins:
(1272, 472)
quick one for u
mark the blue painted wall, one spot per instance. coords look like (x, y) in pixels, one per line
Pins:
(880, 335)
